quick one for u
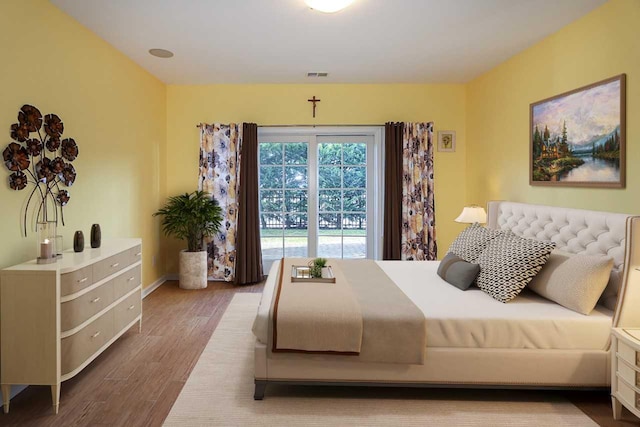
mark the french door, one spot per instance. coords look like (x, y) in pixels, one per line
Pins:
(318, 195)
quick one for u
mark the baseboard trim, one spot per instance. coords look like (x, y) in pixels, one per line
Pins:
(176, 277)
(152, 287)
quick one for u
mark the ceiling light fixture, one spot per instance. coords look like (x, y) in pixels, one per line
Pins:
(328, 6)
(161, 53)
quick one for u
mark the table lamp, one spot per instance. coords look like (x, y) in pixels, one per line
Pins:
(472, 214)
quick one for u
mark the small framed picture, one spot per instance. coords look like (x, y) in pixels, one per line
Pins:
(447, 141)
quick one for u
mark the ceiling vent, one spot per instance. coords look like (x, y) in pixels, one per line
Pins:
(161, 53)
(316, 74)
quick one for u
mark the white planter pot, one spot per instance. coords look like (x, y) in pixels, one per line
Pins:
(193, 270)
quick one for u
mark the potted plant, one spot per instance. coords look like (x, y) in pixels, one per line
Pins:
(316, 266)
(192, 217)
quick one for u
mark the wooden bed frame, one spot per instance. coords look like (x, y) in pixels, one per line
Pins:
(573, 230)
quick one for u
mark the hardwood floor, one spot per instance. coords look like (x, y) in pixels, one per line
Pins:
(137, 380)
(597, 405)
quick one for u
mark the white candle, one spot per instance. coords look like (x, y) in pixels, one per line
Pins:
(46, 251)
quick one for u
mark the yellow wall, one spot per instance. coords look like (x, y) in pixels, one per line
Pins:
(341, 104)
(113, 109)
(602, 44)
(138, 140)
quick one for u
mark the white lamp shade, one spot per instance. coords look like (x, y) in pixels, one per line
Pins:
(328, 6)
(472, 214)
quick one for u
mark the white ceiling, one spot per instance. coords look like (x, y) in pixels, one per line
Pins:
(279, 41)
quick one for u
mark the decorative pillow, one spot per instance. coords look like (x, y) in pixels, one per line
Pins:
(472, 241)
(457, 271)
(573, 281)
(508, 264)
(609, 297)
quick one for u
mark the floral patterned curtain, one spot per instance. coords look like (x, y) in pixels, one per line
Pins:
(220, 148)
(418, 206)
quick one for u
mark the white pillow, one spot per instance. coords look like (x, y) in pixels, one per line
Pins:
(575, 281)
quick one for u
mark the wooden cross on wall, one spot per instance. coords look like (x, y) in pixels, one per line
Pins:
(314, 100)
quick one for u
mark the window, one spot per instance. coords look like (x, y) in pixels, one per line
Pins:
(319, 193)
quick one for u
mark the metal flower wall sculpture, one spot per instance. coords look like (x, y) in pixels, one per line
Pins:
(43, 161)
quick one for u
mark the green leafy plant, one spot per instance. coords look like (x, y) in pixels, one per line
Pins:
(191, 217)
(315, 267)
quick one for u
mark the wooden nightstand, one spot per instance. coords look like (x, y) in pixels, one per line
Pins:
(625, 371)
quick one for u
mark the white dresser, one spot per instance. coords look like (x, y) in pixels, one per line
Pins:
(56, 318)
(625, 371)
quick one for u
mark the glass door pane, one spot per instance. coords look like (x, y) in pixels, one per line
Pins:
(283, 199)
(342, 200)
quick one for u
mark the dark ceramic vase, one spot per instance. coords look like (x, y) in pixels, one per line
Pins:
(96, 236)
(78, 241)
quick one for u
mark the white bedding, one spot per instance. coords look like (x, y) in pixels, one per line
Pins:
(472, 319)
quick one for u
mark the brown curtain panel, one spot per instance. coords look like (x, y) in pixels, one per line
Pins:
(392, 238)
(248, 249)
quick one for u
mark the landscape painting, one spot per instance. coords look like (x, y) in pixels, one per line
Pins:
(578, 137)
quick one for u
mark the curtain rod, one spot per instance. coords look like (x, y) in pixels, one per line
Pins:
(311, 126)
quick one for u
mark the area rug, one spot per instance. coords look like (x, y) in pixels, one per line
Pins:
(219, 392)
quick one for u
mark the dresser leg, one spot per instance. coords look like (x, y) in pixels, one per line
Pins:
(617, 408)
(55, 397)
(6, 396)
(140, 326)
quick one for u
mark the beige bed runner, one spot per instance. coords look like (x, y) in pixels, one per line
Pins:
(315, 317)
(326, 318)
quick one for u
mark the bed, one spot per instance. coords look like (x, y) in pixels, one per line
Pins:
(476, 341)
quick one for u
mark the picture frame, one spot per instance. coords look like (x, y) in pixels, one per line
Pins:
(447, 141)
(578, 138)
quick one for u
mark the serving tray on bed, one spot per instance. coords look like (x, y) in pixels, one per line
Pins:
(301, 273)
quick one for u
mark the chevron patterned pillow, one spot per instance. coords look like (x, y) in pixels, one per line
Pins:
(508, 264)
(472, 241)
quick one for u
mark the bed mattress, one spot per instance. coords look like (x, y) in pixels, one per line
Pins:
(472, 319)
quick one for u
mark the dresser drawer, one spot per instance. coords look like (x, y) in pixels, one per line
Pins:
(628, 374)
(128, 281)
(627, 393)
(76, 311)
(110, 265)
(126, 311)
(627, 353)
(75, 281)
(77, 348)
(135, 254)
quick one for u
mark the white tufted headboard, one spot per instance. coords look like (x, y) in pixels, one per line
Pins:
(576, 231)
